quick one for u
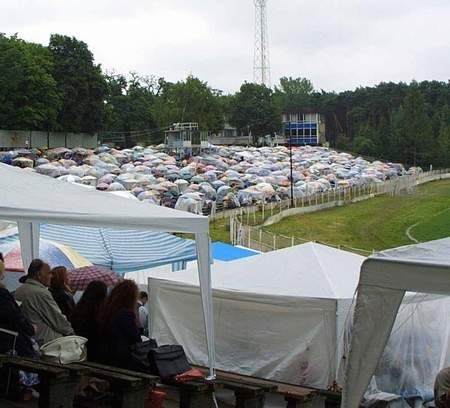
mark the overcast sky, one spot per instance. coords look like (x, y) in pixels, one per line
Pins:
(338, 44)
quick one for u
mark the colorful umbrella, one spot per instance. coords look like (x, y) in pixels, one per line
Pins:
(51, 252)
(81, 277)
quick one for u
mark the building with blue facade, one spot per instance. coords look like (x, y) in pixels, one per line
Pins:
(303, 128)
(186, 138)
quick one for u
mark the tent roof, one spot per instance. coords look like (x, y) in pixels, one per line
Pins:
(308, 270)
(437, 251)
(404, 268)
(385, 277)
(52, 201)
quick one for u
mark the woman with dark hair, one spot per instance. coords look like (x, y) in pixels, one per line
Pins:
(85, 318)
(120, 327)
(61, 292)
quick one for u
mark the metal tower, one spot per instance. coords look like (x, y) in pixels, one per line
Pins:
(261, 66)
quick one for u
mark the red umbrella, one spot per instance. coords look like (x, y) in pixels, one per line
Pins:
(81, 277)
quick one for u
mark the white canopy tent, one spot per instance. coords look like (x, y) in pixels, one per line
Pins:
(384, 280)
(30, 199)
(278, 315)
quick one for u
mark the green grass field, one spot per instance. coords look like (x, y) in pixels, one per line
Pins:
(378, 223)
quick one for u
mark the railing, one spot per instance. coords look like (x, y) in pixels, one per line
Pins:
(246, 224)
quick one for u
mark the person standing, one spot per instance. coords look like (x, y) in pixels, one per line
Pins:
(120, 326)
(61, 292)
(85, 318)
(143, 312)
(38, 305)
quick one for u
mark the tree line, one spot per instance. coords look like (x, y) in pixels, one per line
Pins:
(59, 87)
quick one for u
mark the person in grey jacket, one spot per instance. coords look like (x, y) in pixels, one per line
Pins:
(38, 305)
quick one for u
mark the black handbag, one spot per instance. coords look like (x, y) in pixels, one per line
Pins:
(140, 353)
(168, 361)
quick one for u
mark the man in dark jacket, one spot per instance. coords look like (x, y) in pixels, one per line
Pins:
(13, 320)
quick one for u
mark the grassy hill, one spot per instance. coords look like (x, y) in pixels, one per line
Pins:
(379, 223)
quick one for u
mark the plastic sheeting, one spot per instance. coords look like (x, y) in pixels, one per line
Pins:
(383, 282)
(278, 314)
(253, 334)
(418, 348)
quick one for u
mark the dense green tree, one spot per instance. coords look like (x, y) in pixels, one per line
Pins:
(129, 103)
(442, 151)
(80, 84)
(371, 120)
(365, 141)
(188, 101)
(254, 108)
(412, 129)
(295, 86)
(294, 93)
(28, 97)
(128, 108)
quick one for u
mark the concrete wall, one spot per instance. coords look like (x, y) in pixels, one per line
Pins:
(313, 208)
(14, 138)
(56, 139)
(38, 139)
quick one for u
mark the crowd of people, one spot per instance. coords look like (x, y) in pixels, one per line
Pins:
(43, 309)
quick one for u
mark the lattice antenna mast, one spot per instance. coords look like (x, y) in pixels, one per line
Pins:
(261, 64)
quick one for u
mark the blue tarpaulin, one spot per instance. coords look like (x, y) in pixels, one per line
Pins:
(227, 252)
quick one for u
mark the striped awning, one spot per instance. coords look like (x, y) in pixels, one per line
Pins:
(120, 250)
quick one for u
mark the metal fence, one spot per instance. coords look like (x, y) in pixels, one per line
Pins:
(246, 224)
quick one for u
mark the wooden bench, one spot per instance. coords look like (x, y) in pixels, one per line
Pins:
(248, 395)
(332, 398)
(58, 384)
(195, 394)
(190, 394)
(250, 391)
(296, 396)
(129, 388)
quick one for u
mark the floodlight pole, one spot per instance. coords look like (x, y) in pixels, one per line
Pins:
(290, 162)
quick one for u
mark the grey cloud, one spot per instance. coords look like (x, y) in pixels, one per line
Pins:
(338, 44)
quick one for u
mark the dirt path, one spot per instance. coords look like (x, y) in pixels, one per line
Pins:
(409, 229)
(408, 232)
